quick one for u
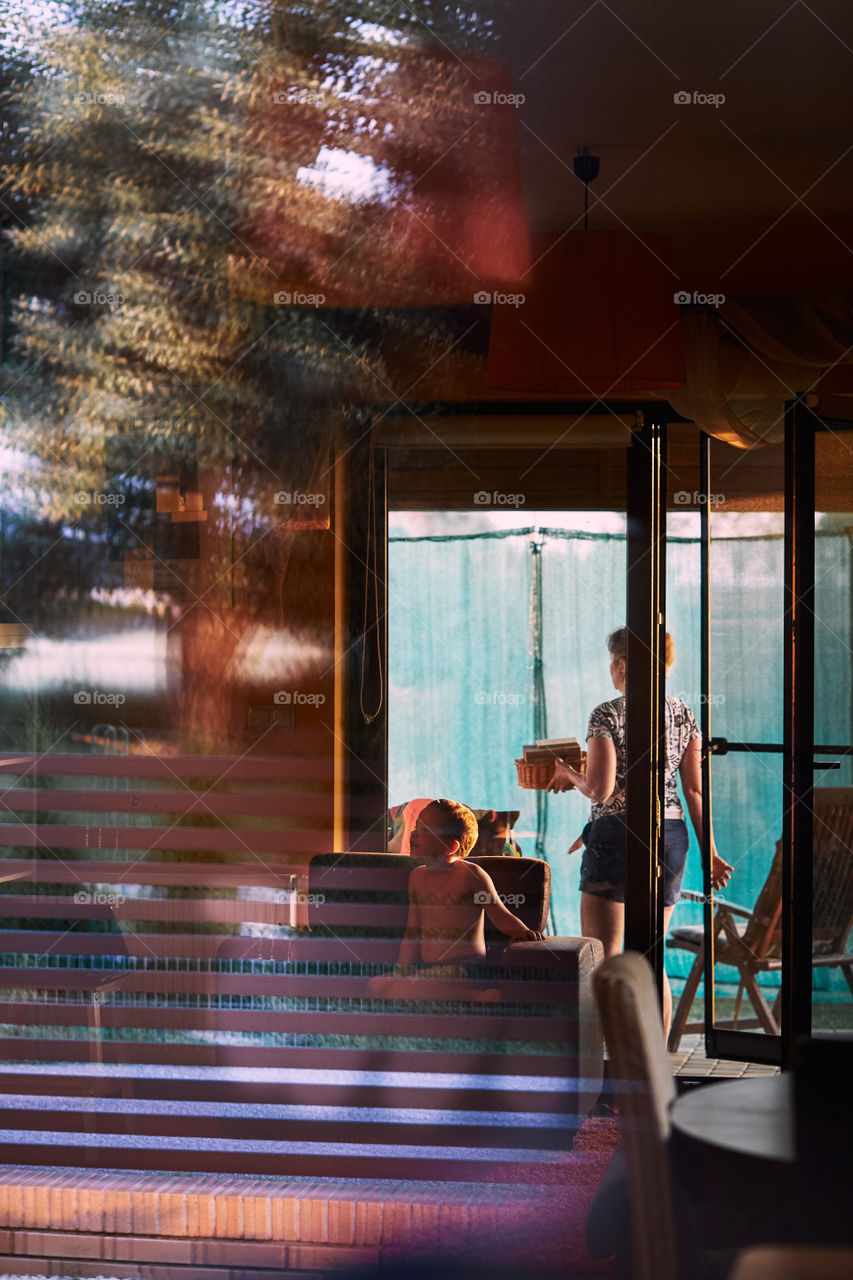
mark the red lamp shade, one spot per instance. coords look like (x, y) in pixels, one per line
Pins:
(599, 315)
(408, 195)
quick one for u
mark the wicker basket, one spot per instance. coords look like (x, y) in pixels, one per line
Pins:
(534, 777)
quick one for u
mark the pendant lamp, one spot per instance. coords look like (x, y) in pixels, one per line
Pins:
(403, 192)
(599, 316)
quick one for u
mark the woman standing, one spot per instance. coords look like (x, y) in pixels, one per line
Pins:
(603, 866)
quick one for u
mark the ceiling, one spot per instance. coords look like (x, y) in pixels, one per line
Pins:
(754, 188)
(604, 75)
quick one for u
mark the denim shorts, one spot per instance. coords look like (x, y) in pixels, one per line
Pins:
(603, 865)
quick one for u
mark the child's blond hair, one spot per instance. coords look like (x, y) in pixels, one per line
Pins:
(459, 822)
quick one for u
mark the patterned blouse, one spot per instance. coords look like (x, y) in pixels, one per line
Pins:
(608, 721)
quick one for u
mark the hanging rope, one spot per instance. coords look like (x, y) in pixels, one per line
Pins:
(540, 709)
(371, 572)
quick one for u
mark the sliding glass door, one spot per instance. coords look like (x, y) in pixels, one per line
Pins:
(776, 719)
(831, 896)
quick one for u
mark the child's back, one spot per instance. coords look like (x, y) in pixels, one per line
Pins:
(449, 896)
(451, 899)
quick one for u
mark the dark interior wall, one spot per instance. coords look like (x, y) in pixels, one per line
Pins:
(580, 479)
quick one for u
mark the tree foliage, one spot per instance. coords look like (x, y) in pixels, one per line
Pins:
(160, 194)
(167, 168)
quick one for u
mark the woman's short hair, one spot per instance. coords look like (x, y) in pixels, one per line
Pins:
(617, 644)
(458, 821)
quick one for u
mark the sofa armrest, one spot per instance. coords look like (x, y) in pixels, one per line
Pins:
(568, 956)
(570, 961)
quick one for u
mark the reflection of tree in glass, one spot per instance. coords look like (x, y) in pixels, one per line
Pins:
(158, 194)
(154, 140)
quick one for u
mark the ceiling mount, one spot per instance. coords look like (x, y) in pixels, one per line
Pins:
(585, 169)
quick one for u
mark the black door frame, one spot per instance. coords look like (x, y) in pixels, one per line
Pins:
(361, 534)
(645, 745)
(645, 739)
(798, 748)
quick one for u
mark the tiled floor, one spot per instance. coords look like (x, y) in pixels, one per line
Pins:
(691, 1060)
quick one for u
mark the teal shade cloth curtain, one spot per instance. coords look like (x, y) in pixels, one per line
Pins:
(464, 611)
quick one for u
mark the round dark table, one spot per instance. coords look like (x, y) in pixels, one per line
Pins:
(732, 1148)
(746, 1117)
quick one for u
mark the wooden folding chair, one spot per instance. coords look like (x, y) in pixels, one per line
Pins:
(644, 1089)
(751, 941)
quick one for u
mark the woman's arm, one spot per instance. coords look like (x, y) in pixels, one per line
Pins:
(691, 780)
(598, 781)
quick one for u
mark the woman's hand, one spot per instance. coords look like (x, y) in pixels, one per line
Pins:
(720, 871)
(598, 777)
(564, 777)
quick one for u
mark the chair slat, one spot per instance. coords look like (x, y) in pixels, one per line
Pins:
(380, 1130)
(181, 802)
(530, 1096)
(181, 946)
(223, 769)
(204, 839)
(355, 987)
(146, 947)
(465, 1026)
(166, 910)
(265, 1057)
(133, 871)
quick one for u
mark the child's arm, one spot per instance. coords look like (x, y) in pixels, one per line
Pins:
(410, 943)
(498, 913)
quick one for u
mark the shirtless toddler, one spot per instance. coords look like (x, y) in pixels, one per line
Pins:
(448, 897)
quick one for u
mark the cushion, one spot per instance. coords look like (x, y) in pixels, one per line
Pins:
(366, 894)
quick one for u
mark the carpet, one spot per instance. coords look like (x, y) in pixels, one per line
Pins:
(540, 1231)
(593, 1148)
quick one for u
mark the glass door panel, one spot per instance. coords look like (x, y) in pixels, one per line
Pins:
(742, 721)
(832, 847)
(747, 787)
